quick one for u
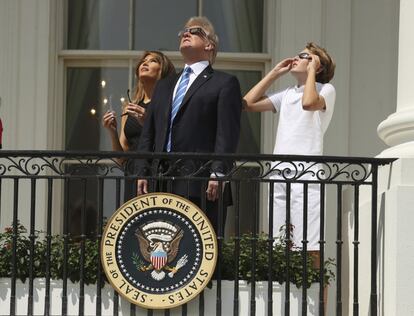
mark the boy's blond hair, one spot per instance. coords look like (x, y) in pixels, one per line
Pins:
(327, 63)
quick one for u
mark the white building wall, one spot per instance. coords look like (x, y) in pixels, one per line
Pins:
(374, 65)
(24, 92)
(361, 35)
(24, 66)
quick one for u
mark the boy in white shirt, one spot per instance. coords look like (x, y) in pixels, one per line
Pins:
(305, 111)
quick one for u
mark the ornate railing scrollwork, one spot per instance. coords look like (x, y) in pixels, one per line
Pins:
(162, 165)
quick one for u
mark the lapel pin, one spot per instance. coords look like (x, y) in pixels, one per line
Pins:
(205, 76)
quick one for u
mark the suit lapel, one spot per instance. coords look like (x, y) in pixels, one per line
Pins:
(202, 78)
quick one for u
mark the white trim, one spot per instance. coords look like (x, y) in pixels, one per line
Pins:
(82, 53)
(56, 101)
(210, 299)
(115, 58)
(55, 92)
(271, 35)
(131, 30)
(200, 7)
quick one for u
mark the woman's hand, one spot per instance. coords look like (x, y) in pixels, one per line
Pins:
(136, 111)
(109, 121)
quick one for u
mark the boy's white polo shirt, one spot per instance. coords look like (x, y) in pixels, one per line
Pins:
(301, 132)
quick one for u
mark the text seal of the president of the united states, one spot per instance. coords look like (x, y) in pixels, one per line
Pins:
(159, 250)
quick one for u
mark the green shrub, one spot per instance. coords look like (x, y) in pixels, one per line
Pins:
(92, 261)
(262, 245)
(41, 258)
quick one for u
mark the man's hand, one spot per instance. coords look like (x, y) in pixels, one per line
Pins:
(142, 187)
(213, 190)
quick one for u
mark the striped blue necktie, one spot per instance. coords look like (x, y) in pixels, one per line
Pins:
(178, 99)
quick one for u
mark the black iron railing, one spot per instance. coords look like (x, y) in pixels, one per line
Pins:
(68, 195)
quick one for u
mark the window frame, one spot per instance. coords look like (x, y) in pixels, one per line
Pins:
(67, 58)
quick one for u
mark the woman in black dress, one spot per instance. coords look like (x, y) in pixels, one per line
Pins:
(152, 66)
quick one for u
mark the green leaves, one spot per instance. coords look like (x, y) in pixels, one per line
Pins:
(55, 257)
(89, 258)
(278, 271)
(137, 261)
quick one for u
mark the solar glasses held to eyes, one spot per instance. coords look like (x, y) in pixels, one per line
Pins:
(307, 56)
(304, 55)
(193, 31)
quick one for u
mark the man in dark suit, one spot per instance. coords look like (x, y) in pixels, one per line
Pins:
(197, 111)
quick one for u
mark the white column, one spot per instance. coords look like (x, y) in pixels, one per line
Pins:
(397, 250)
(396, 258)
(397, 130)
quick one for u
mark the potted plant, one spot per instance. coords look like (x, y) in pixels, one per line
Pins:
(261, 243)
(279, 264)
(41, 258)
(55, 260)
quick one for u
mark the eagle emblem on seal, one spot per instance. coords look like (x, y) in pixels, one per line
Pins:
(159, 243)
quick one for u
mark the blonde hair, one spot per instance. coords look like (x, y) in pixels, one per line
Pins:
(167, 68)
(327, 63)
(208, 27)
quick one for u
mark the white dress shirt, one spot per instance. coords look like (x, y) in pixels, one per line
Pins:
(196, 69)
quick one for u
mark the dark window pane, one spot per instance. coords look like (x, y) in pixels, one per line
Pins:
(85, 92)
(157, 23)
(95, 24)
(250, 122)
(239, 24)
(75, 195)
(249, 143)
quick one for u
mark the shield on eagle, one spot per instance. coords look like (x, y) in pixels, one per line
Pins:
(158, 258)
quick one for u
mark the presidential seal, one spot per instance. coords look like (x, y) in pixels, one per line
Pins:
(159, 250)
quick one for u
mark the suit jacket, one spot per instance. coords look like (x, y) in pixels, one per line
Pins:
(208, 121)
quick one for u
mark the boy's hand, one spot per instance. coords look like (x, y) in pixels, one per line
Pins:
(283, 67)
(314, 63)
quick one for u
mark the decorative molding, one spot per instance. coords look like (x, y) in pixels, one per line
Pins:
(93, 58)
